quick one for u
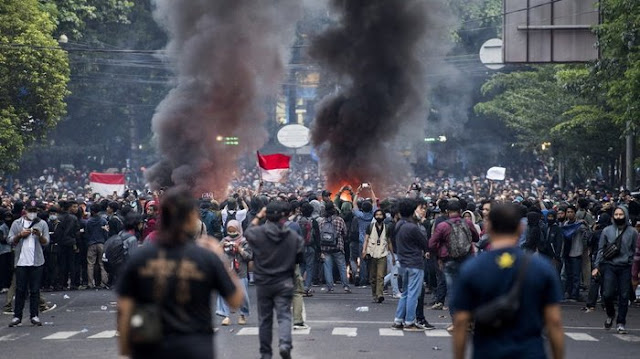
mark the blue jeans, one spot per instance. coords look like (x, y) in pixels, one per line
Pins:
(223, 308)
(328, 269)
(574, 274)
(411, 286)
(393, 275)
(615, 283)
(451, 272)
(309, 266)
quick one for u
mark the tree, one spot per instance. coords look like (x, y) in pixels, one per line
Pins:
(34, 72)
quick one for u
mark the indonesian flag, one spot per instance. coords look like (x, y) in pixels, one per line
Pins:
(274, 168)
(106, 183)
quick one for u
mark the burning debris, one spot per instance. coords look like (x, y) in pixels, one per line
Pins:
(375, 53)
(228, 56)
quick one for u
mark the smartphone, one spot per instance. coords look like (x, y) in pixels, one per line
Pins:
(365, 185)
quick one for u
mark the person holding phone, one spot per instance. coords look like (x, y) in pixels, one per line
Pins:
(29, 234)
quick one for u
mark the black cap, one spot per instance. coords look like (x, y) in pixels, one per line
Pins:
(275, 208)
(326, 193)
(32, 205)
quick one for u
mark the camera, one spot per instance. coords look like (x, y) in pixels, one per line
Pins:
(366, 185)
(229, 248)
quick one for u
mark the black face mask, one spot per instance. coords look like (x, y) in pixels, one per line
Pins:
(620, 221)
(379, 220)
(551, 221)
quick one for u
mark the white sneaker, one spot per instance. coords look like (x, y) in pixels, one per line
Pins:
(620, 329)
(301, 326)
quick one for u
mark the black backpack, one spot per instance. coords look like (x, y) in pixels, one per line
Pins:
(114, 250)
(328, 236)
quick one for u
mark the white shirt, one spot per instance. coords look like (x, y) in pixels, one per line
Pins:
(28, 252)
(240, 215)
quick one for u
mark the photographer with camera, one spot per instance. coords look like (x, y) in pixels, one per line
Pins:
(511, 297)
(377, 246)
(29, 234)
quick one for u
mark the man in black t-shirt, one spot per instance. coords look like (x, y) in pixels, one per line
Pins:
(493, 274)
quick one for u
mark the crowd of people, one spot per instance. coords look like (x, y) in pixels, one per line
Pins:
(58, 235)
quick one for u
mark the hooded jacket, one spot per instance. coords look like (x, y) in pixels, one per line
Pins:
(237, 250)
(276, 251)
(627, 243)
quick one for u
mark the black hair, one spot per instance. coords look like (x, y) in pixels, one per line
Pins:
(407, 207)
(454, 206)
(505, 218)
(306, 209)
(378, 211)
(232, 205)
(443, 204)
(276, 210)
(131, 221)
(176, 206)
(571, 207)
(115, 206)
(367, 206)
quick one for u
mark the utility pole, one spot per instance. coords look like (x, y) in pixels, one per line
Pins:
(629, 168)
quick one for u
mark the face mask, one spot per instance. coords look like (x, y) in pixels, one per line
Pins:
(234, 235)
(379, 220)
(32, 215)
(551, 221)
(133, 203)
(53, 217)
(619, 221)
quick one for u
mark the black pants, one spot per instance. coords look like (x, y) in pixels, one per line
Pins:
(81, 265)
(67, 266)
(276, 297)
(27, 278)
(616, 281)
(6, 269)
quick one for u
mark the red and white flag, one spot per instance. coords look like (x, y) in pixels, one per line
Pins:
(106, 183)
(274, 168)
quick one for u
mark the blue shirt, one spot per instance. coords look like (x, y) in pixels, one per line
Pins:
(364, 221)
(492, 274)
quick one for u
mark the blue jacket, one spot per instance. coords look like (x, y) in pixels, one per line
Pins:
(94, 232)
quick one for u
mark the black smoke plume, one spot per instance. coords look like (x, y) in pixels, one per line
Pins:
(374, 52)
(228, 57)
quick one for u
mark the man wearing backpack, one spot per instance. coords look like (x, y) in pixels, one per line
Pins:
(492, 275)
(451, 242)
(332, 233)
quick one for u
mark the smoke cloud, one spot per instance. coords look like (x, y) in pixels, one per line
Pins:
(229, 57)
(377, 52)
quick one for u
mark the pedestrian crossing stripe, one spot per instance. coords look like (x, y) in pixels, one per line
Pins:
(347, 332)
(248, 331)
(387, 332)
(107, 334)
(581, 337)
(628, 338)
(437, 333)
(60, 335)
(12, 337)
(302, 331)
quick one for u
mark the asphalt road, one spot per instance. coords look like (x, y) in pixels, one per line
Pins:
(83, 326)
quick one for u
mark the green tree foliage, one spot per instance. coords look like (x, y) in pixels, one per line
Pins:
(76, 17)
(619, 68)
(34, 73)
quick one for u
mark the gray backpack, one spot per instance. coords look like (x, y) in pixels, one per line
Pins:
(459, 239)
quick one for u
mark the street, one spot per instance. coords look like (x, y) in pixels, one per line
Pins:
(83, 326)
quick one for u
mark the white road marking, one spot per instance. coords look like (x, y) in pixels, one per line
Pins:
(628, 338)
(302, 331)
(348, 332)
(104, 335)
(388, 332)
(582, 337)
(60, 335)
(437, 333)
(13, 336)
(248, 331)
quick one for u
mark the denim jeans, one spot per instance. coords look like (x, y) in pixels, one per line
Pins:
(309, 266)
(392, 276)
(574, 274)
(223, 308)
(451, 272)
(412, 279)
(27, 279)
(338, 257)
(616, 280)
